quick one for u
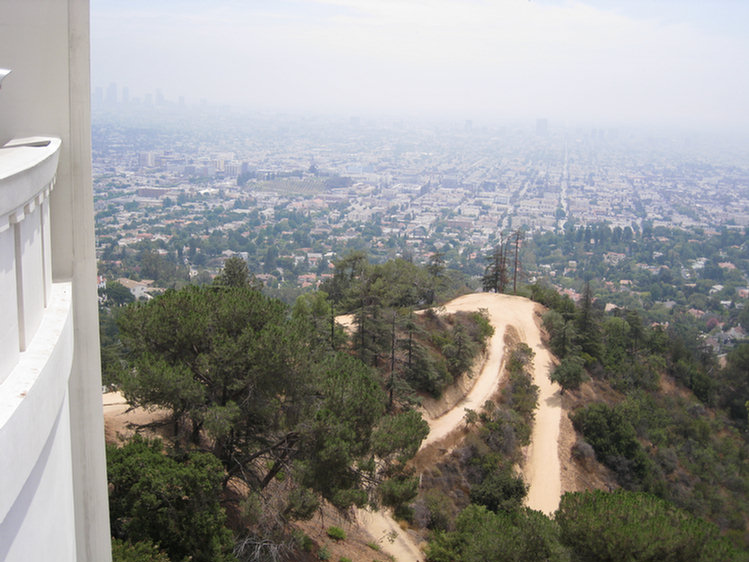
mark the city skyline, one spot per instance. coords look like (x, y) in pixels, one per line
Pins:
(588, 62)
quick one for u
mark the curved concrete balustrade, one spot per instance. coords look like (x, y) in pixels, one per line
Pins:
(27, 175)
(36, 358)
(35, 440)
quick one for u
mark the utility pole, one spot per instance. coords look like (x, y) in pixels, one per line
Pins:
(518, 235)
(392, 361)
(332, 326)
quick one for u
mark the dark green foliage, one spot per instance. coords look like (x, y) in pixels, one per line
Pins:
(482, 536)
(302, 504)
(496, 274)
(562, 334)
(480, 329)
(437, 514)
(171, 501)
(143, 551)
(374, 293)
(735, 391)
(165, 271)
(457, 347)
(336, 533)
(435, 349)
(698, 461)
(117, 294)
(570, 373)
(626, 526)
(617, 351)
(398, 437)
(399, 490)
(551, 299)
(587, 323)
(395, 284)
(112, 363)
(615, 442)
(316, 310)
(340, 431)
(236, 273)
(500, 490)
(521, 394)
(588, 527)
(670, 446)
(235, 366)
(425, 371)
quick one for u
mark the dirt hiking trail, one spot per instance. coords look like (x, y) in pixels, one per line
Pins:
(541, 469)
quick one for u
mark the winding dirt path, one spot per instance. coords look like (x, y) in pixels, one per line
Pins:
(542, 468)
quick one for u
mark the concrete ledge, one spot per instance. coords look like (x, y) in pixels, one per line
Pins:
(27, 169)
(33, 394)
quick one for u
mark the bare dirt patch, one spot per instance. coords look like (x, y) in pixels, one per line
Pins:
(359, 544)
(122, 421)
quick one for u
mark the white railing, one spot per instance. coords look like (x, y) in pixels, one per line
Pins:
(27, 176)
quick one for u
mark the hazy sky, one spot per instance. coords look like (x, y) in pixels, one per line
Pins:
(670, 62)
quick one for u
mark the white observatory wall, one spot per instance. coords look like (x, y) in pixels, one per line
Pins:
(46, 504)
(46, 45)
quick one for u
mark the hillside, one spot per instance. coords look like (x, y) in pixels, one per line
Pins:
(507, 315)
(417, 412)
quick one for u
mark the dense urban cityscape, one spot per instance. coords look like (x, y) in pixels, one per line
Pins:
(178, 190)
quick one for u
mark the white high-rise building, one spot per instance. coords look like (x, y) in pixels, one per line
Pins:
(53, 495)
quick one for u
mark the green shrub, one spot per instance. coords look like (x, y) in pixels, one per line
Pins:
(501, 490)
(336, 533)
(143, 551)
(305, 542)
(168, 500)
(625, 525)
(399, 490)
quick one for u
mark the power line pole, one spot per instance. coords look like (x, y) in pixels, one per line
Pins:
(518, 235)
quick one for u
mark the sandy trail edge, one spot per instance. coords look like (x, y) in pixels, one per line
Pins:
(541, 468)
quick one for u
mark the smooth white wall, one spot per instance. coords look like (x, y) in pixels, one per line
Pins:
(37, 464)
(45, 502)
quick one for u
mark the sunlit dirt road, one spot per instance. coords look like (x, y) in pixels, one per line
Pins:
(541, 469)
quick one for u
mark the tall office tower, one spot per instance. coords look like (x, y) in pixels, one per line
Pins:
(542, 127)
(112, 94)
(53, 496)
(125, 95)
